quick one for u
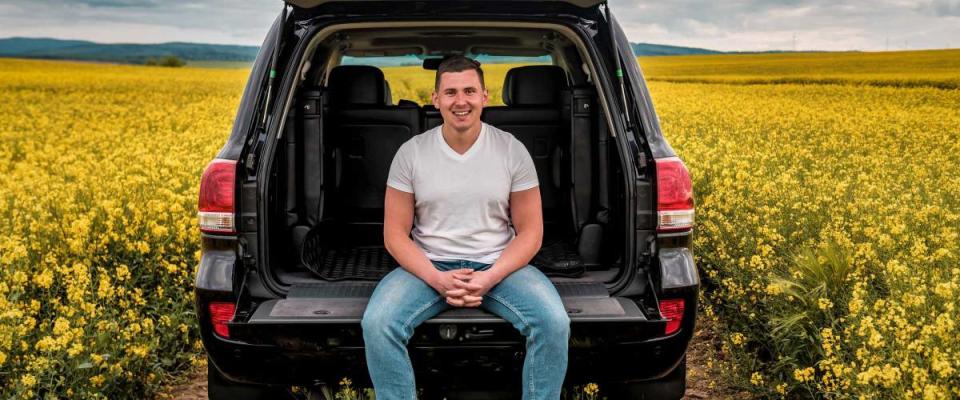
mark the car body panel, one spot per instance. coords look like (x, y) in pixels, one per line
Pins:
(677, 269)
(316, 3)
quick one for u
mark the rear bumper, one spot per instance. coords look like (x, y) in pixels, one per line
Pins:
(291, 349)
(307, 354)
(274, 365)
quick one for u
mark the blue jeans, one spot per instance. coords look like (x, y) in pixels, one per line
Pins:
(526, 299)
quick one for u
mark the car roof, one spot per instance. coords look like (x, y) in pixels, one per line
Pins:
(315, 3)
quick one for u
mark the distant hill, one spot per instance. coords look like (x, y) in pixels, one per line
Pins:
(139, 53)
(650, 49)
(121, 52)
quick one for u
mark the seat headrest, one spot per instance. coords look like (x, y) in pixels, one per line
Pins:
(357, 85)
(534, 85)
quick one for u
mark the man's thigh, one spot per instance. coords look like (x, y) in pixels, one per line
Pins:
(403, 300)
(525, 298)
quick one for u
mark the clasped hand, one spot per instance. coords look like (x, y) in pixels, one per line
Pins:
(464, 287)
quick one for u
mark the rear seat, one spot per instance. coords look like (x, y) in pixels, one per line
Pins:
(365, 132)
(534, 115)
(431, 117)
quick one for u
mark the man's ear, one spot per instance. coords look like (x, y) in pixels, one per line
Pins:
(435, 100)
(486, 96)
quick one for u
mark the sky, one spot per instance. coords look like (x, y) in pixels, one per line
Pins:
(744, 25)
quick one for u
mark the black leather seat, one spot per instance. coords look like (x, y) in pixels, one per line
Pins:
(431, 117)
(534, 115)
(365, 132)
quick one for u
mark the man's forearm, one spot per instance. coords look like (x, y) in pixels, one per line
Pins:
(517, 254)
(411, 258)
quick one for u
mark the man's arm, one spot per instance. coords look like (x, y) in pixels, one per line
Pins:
(398, 212)
(527, 216)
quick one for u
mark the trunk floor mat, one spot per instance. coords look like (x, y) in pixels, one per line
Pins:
(357, 263)
(373, 263)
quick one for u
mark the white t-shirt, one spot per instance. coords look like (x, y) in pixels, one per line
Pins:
(462, 201)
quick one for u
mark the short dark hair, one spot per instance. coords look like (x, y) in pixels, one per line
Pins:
(457, 63)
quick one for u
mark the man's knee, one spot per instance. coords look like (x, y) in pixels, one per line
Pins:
(380, 323)
(554, 323)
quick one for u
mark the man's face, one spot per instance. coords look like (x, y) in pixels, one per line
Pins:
(460, 99)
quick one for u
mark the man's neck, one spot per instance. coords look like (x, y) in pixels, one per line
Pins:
(460, 141)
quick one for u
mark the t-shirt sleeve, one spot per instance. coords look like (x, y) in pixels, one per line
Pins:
(401, 169)
(524, 174)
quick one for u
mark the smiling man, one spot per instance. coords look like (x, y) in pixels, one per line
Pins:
(468, 195)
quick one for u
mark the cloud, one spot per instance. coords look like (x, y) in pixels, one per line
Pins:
(773, 24)
(722, 25)
(142, 21)
(946, 8)
(117, 3)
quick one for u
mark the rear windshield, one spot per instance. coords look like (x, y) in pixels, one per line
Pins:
(409, 81)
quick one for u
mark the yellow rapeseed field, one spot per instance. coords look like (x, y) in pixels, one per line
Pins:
(926, 68)
(416, 84)
(827, 229)
(100, 166)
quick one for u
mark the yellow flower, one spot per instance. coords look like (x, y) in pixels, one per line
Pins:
(43, 279)
(774, 289)
(591, 389)
(123, 272)
(19, 278)
(28, 380)
(737, 338)
(756, 379)
(803, 375)
(824, 304)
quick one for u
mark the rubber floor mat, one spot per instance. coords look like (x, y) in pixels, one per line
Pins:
(357, 263)
(557, 259)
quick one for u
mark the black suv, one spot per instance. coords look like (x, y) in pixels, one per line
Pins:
(291, 210)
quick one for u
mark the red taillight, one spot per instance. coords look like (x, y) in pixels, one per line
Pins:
(215, 206)
(674, 196)
(220, 314)
(672, 311)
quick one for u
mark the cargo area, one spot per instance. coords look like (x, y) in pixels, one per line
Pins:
(329, 176)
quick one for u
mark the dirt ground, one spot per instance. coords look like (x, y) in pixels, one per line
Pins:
(194, 387)
(700, 383)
